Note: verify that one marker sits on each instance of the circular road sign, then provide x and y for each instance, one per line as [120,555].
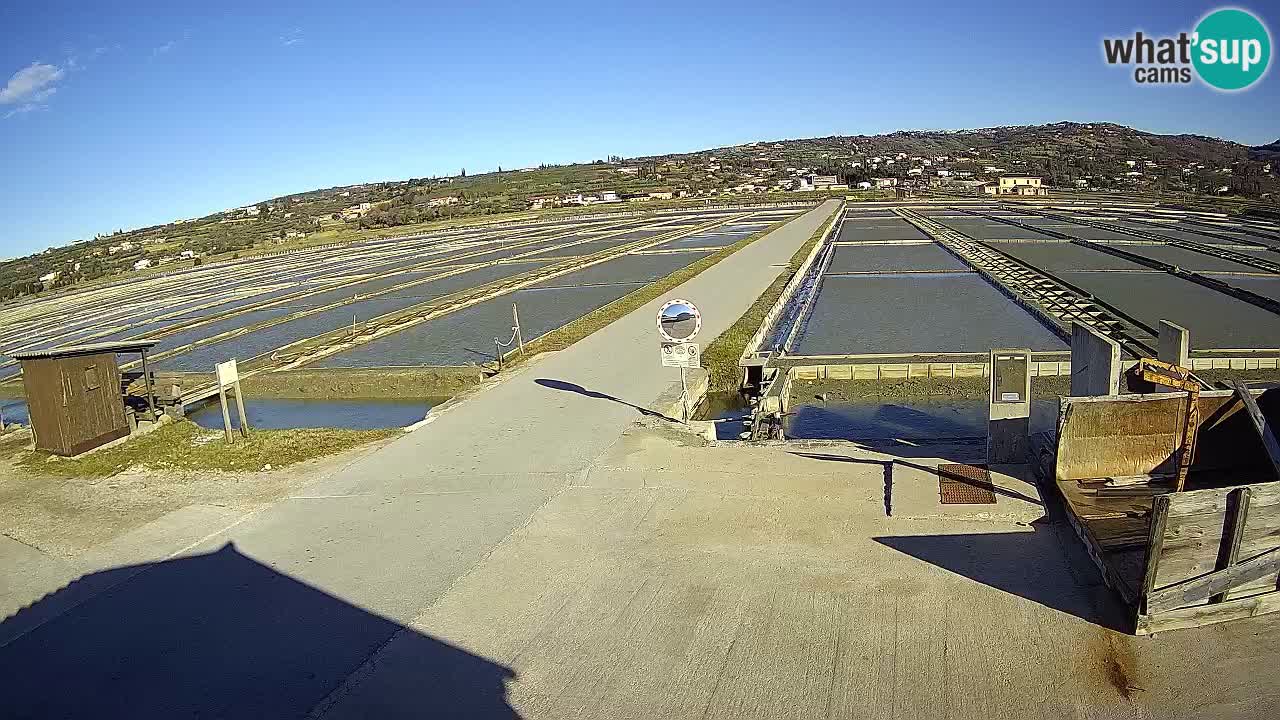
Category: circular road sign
[679,321]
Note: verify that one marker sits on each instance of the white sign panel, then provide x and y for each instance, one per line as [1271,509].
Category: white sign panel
[680,355]
[228,373]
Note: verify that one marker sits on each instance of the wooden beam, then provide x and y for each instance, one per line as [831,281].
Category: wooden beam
[1200,588]
[1155,544]
[151,395]
[1259,424]
[1232,533]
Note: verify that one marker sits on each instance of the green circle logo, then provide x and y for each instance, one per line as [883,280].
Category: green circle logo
[1232,49]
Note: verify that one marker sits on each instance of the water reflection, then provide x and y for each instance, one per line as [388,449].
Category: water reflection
[922,419]
[352,414]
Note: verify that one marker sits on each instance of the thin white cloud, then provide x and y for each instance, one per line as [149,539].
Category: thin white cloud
[293,37]
[164,48]
[22,109]
[31,84]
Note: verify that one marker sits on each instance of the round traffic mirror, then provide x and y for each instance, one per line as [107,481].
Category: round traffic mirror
[679,321]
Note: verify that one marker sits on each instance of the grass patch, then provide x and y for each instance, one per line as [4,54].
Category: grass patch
[721,357]
[186,446]
[568,334]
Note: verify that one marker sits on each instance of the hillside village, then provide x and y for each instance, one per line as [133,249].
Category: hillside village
[1064,156]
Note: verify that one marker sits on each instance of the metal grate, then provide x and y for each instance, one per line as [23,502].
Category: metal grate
[960,484]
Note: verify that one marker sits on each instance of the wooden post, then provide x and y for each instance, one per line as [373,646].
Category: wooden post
[244,421]
[151,397]
[1155,544]
[226,416]
[1232,534]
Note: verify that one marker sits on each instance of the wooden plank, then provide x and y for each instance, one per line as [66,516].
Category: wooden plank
[1155,546]
[1194,532]
[1200,588]
[1232,533]
[1120,533]
[1125,435]
[1200,615]
[1260,424]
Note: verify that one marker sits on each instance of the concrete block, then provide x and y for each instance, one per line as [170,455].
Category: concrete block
[1095,363]
[893,372]
[1174,344]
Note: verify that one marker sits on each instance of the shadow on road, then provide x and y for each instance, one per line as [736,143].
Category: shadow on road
[571,387]
[222,635]
[1047,566]
[1029,565]
[888,475]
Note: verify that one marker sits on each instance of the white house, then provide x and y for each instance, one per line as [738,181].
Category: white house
[142,264]
[864,185]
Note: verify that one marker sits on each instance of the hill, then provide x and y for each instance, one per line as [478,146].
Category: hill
[1066,154]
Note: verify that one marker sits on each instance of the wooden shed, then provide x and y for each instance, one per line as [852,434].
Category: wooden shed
[74,395]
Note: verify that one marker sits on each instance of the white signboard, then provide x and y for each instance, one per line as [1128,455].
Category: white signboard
[228,373]
[680,355]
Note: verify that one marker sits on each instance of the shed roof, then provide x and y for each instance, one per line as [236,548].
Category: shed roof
[130,346]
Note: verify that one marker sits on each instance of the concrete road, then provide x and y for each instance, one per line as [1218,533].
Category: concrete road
[675,581]
[272,617]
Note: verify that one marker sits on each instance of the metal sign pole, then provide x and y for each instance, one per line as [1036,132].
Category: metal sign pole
[244,421]
[226,416]
[515,316]
[684,398]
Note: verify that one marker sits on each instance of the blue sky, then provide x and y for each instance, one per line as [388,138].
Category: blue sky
[129,114]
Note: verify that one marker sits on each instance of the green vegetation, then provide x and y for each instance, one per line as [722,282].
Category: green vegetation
[721,356]
[186,446]
[571,333]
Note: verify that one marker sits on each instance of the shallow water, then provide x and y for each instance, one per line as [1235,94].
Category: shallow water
[729,411]
[351,414]
[14,411]
[924,419]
